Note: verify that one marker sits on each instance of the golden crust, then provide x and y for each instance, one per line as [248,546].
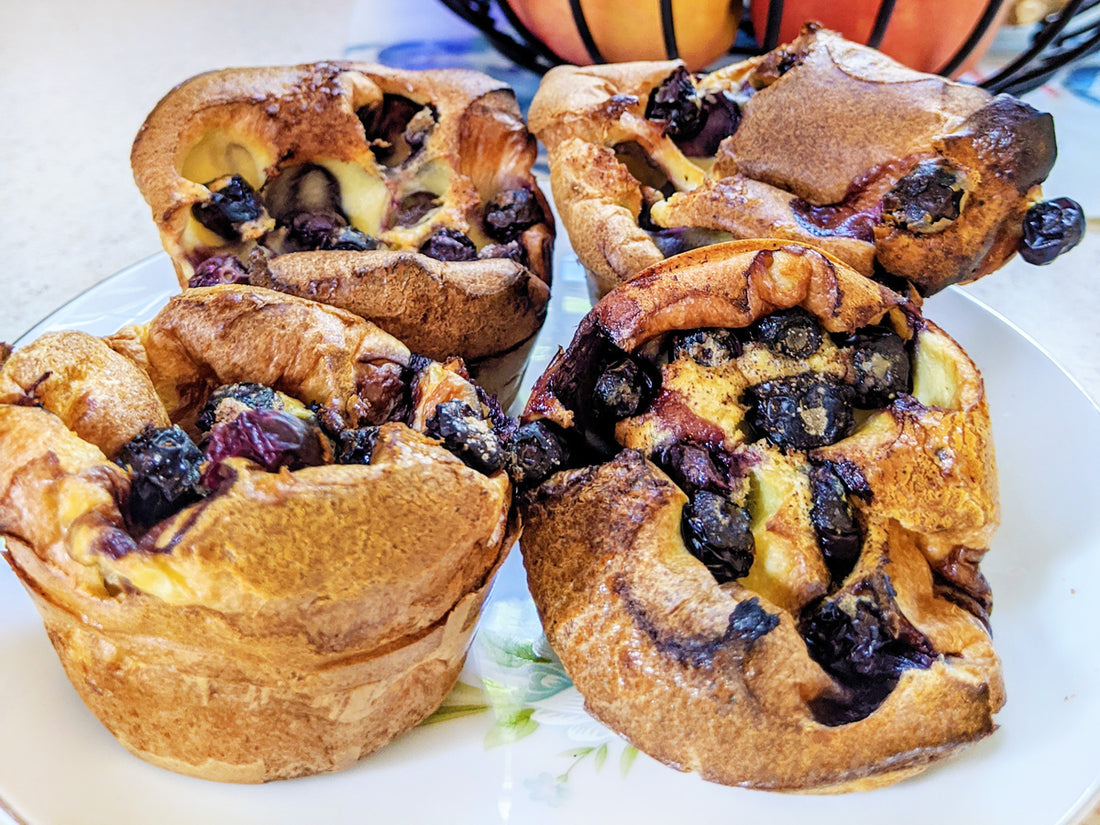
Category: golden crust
[290,622]
[264,123]
[818,146]
[666,655]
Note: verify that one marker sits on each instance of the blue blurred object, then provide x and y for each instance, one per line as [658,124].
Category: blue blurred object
[473,52]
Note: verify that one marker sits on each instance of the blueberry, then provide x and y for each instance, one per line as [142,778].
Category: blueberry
[880,366]
[271,438]
[536,451]
[718,532]
[219,269]
[677,103]
[838,533]
[356,446]
[927,198]
[510,212]
[801,411]
[749,621]
[232,203]
[466,434]
[858,635]
[512,250]
[245,394]
[449,245]
[350,239]
[622,390]
[707,347]
[793,333]
[693,467]
[165,468]
[1051,228]
[720,117]
[413,207]
[311,230]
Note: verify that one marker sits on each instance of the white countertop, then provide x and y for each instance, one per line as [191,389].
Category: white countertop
[78,78]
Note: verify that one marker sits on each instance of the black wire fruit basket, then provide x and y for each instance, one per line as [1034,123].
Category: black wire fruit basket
[1052,43]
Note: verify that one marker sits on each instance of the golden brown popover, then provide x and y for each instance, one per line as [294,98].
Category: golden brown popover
[405,196]
[821,141]
[258,530]
[764,487]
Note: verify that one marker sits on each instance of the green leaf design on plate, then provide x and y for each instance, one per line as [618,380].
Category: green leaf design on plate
[626,760]
[511,728]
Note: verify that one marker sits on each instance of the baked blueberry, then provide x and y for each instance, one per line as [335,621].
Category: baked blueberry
[926,199]
[271,438]
[355,446]
[232,203]
[468,435]
[449,245]
[718,532]
[677,103]
[720,116]
[244,394]
[793,333]
[838,533]
[535,451]
[860,637]
[165,468]
[219,269]
[801,411]
[708,347]
[414,206]
[622,390]
[693,467]
[880,366]
[510,212]
[1051,228]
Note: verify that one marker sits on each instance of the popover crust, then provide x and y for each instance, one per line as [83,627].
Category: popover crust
[726,676]
[338,141]
[827,143]
[290,622]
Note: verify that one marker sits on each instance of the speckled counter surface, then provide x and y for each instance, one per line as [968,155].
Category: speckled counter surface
[78,78]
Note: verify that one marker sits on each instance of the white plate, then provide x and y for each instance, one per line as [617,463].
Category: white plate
[537,758]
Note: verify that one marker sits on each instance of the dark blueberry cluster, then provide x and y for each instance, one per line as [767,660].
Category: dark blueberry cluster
[678,104]
[622,390]
[307,231]
[254,421]
[448,244]
[536,450]
[219,269]
[707,347]
[271,438]
[233,202]
[881,366]
[695,466]
[860,637]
